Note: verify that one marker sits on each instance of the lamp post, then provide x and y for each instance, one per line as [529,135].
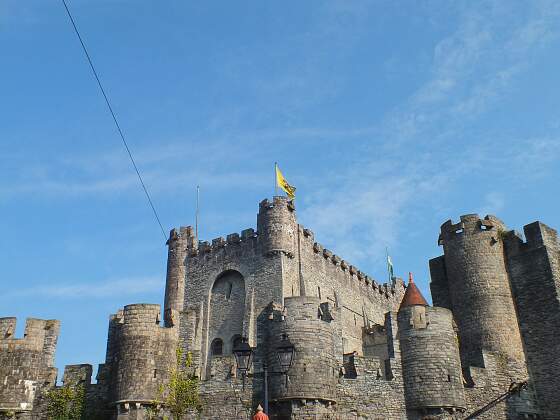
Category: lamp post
[243,355]
[284,352]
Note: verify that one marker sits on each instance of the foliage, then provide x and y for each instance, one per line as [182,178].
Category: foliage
[66,403]
[180,394]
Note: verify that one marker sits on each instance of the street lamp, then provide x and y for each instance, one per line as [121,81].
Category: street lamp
[243,355]
[284,352]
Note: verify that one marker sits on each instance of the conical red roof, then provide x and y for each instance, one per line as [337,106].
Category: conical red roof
[412,295]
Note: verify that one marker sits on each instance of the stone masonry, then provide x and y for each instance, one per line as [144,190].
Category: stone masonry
[362,350]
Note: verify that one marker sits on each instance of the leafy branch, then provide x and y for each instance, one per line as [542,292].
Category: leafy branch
[66,403]
[179,394]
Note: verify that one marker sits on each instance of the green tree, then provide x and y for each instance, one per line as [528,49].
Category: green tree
[180,394]
[66,403]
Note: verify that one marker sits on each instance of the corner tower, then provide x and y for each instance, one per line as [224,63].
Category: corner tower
[471,279]
[179,243]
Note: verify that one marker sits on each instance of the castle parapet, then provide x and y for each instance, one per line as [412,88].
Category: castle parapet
[369,284]
[26,364]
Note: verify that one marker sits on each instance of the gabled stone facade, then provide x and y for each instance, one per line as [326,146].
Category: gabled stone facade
[361,350]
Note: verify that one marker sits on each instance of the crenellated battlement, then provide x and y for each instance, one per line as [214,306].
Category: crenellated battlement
[277,201]
[39,335]
[26,364]
[368,283]
[234,242]
[143,318]
[469,224]
[537,235]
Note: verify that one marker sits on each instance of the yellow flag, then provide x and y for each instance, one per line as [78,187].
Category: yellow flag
[282,183]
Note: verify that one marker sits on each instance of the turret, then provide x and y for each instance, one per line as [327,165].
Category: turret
[474,273]
[277,227]
[142,356]
[180,242]
[431,364]
[314,373]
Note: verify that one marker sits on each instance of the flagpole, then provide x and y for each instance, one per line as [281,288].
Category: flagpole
[275,179]
[387,263]
[197,210]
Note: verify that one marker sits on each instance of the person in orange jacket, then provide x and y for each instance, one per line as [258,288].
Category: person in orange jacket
[260,415]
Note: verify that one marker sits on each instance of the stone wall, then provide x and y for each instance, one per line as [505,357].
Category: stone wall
[484,384]
[376,391]
[227,297]
[26,364]
[363,301]
[534,268]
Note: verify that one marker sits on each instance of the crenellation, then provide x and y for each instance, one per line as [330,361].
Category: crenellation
[26,364]
[233,238]
[7,327]
[204,247]
[218,243]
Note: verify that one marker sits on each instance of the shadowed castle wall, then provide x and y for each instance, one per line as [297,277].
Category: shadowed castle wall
[534,268]
[484,384]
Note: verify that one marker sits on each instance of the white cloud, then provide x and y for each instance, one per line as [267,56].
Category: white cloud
[117,287]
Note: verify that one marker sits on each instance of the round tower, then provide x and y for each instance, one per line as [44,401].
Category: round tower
[144,355]
[479,288]
[179,243]
[314,374]
[430,356]
[277,226]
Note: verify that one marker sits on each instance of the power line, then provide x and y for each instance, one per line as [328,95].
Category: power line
[115,119]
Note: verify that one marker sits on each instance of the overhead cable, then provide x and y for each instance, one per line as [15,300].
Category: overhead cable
[114,119]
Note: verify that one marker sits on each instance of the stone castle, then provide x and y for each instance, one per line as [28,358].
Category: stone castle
[362,350]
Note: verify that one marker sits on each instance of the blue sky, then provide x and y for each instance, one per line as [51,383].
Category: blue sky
[389,117]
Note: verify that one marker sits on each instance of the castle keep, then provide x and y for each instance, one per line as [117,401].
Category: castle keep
[362,350]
